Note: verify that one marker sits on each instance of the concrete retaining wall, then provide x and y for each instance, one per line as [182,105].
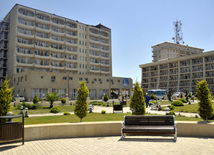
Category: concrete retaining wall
[96,129]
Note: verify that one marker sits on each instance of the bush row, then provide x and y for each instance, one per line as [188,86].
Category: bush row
[26,105]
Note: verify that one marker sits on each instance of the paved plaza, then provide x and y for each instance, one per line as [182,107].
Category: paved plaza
[112,145]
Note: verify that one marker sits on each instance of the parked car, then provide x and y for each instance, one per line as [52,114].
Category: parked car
[22,98]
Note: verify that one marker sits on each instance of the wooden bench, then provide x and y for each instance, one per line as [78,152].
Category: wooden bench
[149,125]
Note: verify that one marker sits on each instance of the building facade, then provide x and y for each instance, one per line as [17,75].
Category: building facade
[167,50]
[179,74]
[62,51]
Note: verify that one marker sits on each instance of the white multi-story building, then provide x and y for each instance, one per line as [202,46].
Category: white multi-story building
[43,52]
[179,74]
[167,50]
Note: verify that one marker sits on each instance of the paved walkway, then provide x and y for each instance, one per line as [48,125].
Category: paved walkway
[98,109]
[112,145]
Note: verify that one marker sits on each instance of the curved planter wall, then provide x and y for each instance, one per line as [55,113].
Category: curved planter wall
[96,129]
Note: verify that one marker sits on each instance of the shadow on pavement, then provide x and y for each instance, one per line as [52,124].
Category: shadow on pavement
[147,139]
[5,148]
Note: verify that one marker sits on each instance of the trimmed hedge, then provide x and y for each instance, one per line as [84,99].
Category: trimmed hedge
[103,112]
[183,100]
[55,110]
[177,103]
[67,113]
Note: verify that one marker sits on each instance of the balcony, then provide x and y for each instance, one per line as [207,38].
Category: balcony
[94,32]
[105,72]
[43,21]
[43,30]
[57,59]
[94,63]
[41,66]
[25,45]
[95,70]
[71,69]
[25,35]
[104,34]
[26,17]
[42,57]
[71,60]
[74,44]
[104,64]
[70,27]
[42,39]
[57,41]
[58,24]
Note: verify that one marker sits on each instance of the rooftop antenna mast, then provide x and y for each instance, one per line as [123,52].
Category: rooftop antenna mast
[178,33]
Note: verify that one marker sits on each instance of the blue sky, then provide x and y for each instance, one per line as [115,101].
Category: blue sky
[136,25]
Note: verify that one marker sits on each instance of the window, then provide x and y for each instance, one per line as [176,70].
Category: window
[80,79]
[53,78]
[79,34]
[64,78]
[82,35]
[70,78]
[80,42]
[80,27]
[80,65]
[80,50]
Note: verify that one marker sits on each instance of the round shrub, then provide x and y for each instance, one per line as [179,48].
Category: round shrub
[34,106]
[105,98]
[55,110]
[104,104]
[183,100]
[67,113]
[171,107]
[35,99]
[177,103]
[152,96]
[172,113]
[103,112]
[63,100]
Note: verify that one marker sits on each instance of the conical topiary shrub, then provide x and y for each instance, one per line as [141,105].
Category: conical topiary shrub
[205,104]
[137,101]
[81,108]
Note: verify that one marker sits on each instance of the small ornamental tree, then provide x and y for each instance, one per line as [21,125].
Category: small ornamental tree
[105,98]
[152,96]
[5,99]
[63,101]
[182,95]
[169,95]
[187,95]
[137,101]
[123,97]
[51,97]
[205,104]
[35,99]
[81,108]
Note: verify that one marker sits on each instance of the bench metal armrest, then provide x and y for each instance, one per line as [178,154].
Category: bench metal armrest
[122,123]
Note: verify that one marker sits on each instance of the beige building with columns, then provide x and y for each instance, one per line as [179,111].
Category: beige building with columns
[45,52]
[179,74]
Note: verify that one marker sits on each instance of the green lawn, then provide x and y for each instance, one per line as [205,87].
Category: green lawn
[91,117]
[45,109]
[192,108]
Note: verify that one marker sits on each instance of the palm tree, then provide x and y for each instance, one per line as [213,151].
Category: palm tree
[51,97]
